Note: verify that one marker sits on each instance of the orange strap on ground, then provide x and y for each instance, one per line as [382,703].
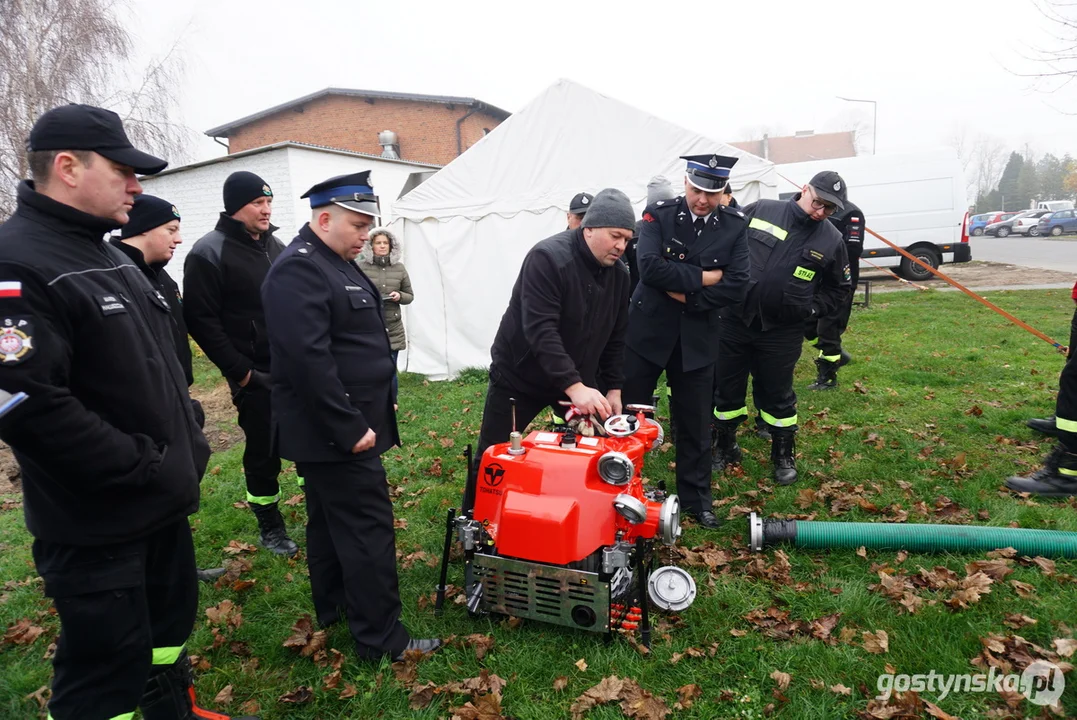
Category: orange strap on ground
[983,301]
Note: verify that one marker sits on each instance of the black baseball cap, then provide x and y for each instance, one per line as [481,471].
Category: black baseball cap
[830,186]
[85,127]
[580,202]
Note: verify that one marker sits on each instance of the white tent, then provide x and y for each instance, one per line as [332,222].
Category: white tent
[466,230]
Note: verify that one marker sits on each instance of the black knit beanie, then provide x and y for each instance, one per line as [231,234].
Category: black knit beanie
[241,188]
[149,212]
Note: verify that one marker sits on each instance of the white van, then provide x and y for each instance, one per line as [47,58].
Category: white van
[916,201]
[1053,205]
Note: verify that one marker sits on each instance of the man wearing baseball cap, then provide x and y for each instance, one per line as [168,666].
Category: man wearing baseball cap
[799,271]
[222,293]
[110,451]
[577,208]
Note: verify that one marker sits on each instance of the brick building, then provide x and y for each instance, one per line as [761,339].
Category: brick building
[430,129]
[802,147]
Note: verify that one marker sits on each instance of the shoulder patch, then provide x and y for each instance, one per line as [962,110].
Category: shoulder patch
[647,217]
[16,340]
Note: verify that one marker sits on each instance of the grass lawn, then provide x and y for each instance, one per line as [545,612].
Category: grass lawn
[927,423]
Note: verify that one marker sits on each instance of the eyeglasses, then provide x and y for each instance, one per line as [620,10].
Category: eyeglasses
[817,204]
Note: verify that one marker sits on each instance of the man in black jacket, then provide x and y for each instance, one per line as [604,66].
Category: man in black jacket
[563,333]
[333,413]
[826,332]
[693,261]
[222,292]
[799,272]
[108,444]
[149,238]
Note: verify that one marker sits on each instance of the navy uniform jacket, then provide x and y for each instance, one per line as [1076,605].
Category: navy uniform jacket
[671,258]
[851,224]
[329,355]
[799,266]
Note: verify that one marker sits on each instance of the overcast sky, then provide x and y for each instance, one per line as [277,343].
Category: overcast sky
[720,68]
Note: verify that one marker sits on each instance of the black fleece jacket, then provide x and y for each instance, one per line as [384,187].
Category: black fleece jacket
[222,296]
[107,442]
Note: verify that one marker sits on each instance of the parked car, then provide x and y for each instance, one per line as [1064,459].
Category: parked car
[1028,223]
[1001,226]
[977,223]
[1057,223]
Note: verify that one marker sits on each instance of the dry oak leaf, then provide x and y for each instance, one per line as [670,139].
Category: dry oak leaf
[876,643]
[23,632]
[224,697]
[687,695]
[304,639]
[606,691]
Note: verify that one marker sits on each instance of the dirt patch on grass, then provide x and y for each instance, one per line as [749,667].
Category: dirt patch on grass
[976,274]
[221,432]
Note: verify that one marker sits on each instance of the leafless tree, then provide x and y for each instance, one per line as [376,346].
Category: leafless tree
[59,51]
[983,158]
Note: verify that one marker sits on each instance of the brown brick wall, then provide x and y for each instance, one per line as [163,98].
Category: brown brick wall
[427,131]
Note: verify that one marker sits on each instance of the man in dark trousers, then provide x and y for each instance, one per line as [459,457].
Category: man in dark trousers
[222,285]
[799,272]
[826,332]
[562,335]
[333,413]
[110,451]
[149,239]
[693,261]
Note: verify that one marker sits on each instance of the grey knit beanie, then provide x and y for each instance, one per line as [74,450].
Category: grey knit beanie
[610,208]
[659,188]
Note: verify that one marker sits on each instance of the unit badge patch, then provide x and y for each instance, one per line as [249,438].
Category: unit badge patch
[848,275]
[16,340]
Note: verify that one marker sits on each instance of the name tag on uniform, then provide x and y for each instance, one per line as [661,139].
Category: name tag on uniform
[111,304]
[804,273]
[353,288]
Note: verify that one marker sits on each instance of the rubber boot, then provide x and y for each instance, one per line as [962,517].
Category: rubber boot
[169,695]
[724,448]
[1057,477]
[827,377]
[273,535]
[783,452]
[1044,425]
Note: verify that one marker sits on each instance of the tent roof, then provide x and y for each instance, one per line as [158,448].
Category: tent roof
[567,140]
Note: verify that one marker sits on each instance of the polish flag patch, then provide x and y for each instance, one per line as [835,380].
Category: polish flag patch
[10,289]
[647,217]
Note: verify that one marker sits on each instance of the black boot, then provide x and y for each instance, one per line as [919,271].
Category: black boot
[1057,477]
[209,575]
[762,430]
[1044,425]
[274,537]
[783,452]
[827,377]
[724,448]
[169,695]
[846,358]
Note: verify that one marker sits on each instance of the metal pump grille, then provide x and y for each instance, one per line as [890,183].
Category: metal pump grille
[542,592]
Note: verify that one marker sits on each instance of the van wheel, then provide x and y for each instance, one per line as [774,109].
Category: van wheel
[977,232]
[1003,232]
[912,271]
[1034,231]
[1056,231]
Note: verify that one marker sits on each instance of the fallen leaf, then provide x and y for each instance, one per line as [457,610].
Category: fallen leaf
[224,697]
[235,547]
[687,695]
[482,644]
[251,707]
[1065,646]
[304,638]
[782,678]
[332,680]
[1023,589]
[421,695]
[841,690]
[582,665]
[606,691]
[23,632]
[876,643]
[936,712]
[301,694]
[639,703]
[560,683]
[349,691]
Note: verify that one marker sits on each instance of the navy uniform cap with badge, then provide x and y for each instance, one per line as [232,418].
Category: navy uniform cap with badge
[332,386]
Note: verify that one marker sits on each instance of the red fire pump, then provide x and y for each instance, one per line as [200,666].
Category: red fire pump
[558,527]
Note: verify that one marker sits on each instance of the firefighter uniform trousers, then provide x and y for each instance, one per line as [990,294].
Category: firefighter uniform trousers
[351,552]
[825,333]
[261,463]
[1066,408]
[770,357]
[126,611]
[689,407]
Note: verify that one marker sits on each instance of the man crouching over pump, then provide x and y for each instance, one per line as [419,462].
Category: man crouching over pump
[563,332]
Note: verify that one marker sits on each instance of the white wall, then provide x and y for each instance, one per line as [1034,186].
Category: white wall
[197,192]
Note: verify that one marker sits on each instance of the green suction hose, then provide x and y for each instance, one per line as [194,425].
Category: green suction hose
[911,537]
